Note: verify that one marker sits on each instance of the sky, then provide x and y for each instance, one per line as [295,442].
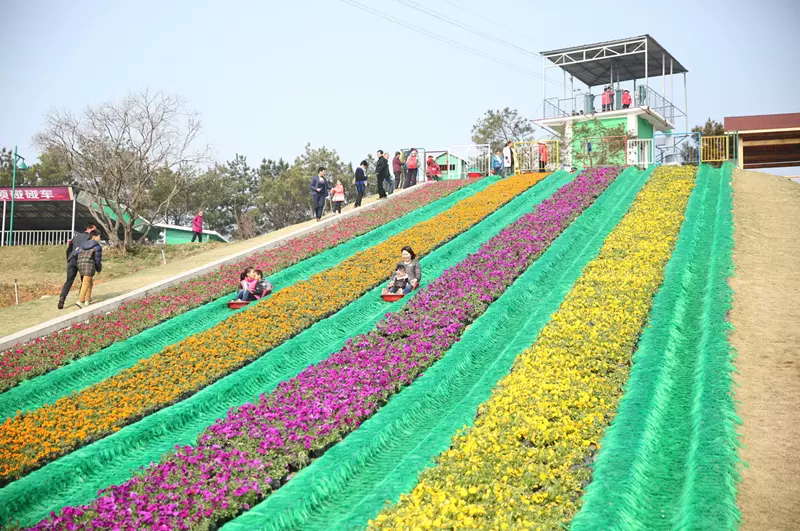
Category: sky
[269,77]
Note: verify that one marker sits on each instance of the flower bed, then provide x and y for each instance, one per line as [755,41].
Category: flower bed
[239,459]
[525,462]
[49,352]
[30,439]
[669,458]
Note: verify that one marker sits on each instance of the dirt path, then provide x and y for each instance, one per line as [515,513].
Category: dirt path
[766,314]
[16,318]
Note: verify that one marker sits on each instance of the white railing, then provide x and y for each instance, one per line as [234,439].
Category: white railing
[36,237]
[640,152]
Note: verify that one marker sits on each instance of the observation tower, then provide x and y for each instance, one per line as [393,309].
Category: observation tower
[633,123]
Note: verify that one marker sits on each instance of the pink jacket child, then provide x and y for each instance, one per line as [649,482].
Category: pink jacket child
[337,196]
[247,285]
[338,191]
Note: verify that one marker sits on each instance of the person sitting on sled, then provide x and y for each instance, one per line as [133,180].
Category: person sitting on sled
[263,286]
[400,281]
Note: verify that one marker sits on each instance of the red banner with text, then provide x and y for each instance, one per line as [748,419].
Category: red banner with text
[38,193]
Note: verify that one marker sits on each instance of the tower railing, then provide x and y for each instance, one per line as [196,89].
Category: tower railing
[586,103]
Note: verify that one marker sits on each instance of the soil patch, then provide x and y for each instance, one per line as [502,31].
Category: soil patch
[766,317]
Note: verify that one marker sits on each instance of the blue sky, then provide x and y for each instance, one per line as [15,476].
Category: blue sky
[267,77]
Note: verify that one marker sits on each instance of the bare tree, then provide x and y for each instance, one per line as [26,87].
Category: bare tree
[116,150]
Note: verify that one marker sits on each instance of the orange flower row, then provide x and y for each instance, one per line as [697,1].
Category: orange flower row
[29,440]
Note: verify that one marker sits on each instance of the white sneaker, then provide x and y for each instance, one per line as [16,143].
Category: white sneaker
[80,304]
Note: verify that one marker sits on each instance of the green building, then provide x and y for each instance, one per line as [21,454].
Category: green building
[176,235]
[156,232]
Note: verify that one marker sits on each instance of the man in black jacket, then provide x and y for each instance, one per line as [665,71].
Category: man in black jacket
[72,263]
[382,173]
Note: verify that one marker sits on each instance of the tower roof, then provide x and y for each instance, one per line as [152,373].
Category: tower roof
[591,64]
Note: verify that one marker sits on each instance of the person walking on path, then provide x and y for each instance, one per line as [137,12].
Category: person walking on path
[381,173]
[497,163]
[508,159]
[397,169]
[360,180]
[197,227]
[389,180]
[337,197]
[543,156]
[72,264]
[319,190]
[412,167]
[89,258]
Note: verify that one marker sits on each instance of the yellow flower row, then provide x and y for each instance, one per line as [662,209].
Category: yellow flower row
[524,463]
[30,439]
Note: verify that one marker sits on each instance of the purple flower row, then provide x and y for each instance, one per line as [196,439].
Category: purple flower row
[241,458]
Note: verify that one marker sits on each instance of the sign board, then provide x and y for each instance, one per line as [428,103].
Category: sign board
[37,193]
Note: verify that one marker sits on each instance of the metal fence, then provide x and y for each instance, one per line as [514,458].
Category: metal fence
[584,104]
[36,237]
[715,148]
[640,152]
[537,155]
[527,156]
[676,148]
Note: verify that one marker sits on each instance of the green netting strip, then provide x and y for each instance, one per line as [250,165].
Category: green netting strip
[351,482]
[89,370]
[669,458]
[75,478]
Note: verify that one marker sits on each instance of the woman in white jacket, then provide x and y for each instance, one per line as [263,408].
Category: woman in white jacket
[508,159]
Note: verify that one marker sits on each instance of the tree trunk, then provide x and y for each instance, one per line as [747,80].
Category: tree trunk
[128,242]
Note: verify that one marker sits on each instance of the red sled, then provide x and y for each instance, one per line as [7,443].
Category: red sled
[394,297]
[236,305]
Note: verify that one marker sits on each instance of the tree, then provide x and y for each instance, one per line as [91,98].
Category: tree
[51,170]
[240,188]
[598,145]
[496,128]
[116,151]
[286,192]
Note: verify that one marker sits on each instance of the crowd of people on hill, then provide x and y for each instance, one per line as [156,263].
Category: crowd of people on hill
[402,173]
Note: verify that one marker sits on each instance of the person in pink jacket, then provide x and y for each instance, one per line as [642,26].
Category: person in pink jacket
[337,196]
[197,227]
[248,283]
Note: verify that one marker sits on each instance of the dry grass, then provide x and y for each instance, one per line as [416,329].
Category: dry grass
[766,314]
[40,271]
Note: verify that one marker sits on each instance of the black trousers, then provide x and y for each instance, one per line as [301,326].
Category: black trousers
[72,272]
[198,235]
[398,179]
[411,177]
[381,190]
[319,205]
